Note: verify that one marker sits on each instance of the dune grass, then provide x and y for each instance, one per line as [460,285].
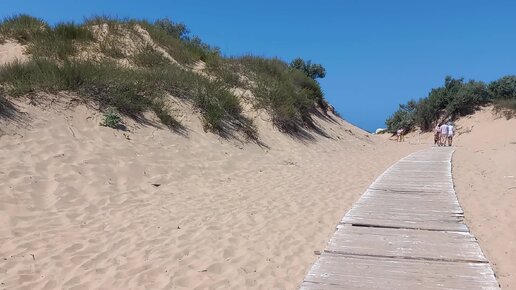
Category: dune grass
[130,91]
[288,94]
[23,28]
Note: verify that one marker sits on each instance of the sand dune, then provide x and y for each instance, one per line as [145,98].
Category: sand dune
[88,207]
[484,169]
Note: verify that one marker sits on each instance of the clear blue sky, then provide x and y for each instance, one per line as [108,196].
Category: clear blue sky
[377,53]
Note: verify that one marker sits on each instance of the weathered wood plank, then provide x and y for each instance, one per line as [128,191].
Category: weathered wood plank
[351,272]
[406,243]
[405,232]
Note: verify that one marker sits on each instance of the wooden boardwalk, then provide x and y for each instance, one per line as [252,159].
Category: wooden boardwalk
[405,232]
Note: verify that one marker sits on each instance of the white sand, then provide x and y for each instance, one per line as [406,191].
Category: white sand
[11,51]
[79,209]
[484,170]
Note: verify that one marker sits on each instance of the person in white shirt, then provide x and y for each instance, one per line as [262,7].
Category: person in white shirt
[444,134]
[451,131]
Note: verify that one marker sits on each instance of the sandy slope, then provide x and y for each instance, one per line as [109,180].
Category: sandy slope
[86,207]
[484,171]
[10,51]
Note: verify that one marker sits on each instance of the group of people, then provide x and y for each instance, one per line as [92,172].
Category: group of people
[443,134]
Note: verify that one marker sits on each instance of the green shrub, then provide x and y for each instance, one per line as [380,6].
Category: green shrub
[311,70]
[403,118]
[456,98]
[504,88]
[111,119]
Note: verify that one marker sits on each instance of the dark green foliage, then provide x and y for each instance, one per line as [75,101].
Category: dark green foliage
[504,88]
[456,98]
[403,118]
[22,27]
[176,30]
[467,98]
[310,69]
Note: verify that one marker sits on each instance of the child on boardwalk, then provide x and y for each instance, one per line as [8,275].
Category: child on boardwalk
[436,135]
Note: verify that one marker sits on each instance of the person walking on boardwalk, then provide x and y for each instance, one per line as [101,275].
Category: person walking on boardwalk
[451,131]
[400,135]
[437,138]
[444,134]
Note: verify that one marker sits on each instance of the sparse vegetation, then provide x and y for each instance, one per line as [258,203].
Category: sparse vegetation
[149,57]
[288,93]
[111,119]
[455,98]
[23,28]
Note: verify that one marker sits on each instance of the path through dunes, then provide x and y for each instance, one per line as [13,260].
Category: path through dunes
[405,232]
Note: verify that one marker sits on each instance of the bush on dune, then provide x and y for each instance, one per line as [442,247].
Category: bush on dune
[454,99]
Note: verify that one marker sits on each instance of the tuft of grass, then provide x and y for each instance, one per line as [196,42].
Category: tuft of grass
[72,31]
[23,28]
[59,42]
[149,57]
[111,119]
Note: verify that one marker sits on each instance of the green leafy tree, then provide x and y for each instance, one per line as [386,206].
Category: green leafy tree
[310,69]
[403,118]
[504,88]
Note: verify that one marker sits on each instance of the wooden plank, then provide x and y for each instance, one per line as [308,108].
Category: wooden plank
[406,243]
[352,272]
[405,232]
